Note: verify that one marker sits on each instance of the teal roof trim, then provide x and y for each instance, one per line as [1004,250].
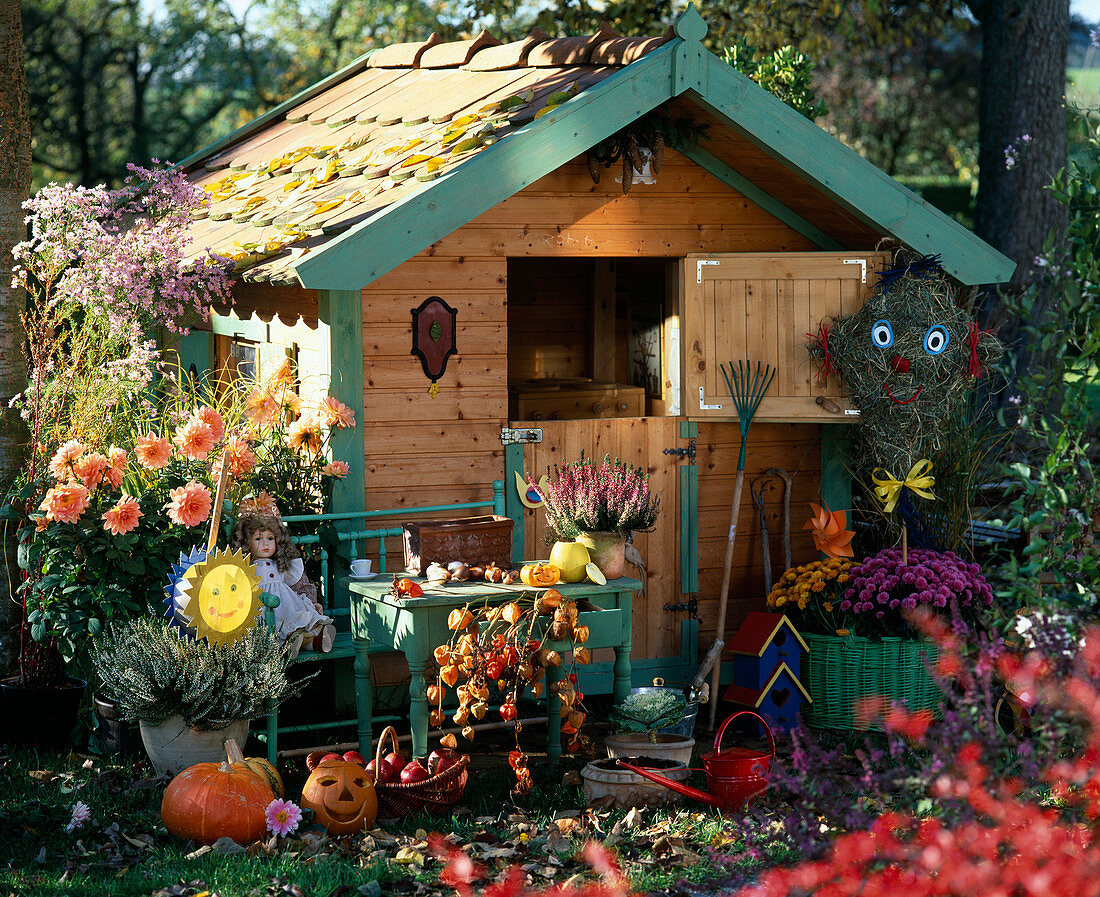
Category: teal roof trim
[499,171]
[844,175]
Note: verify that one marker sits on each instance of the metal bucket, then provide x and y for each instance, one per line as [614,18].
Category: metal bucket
[686,726]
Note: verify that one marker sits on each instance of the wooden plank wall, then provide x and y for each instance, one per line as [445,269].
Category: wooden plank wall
[549,318]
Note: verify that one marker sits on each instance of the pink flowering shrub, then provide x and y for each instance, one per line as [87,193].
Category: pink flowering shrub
[613,497]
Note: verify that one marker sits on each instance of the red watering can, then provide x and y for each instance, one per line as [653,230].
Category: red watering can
[733,776]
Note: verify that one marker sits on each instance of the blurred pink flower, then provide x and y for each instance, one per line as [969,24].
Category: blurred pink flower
[189,505]
[283,816]
[336,469]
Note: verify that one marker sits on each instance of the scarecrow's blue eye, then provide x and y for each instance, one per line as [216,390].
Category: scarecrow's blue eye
[936,339]
[882,334]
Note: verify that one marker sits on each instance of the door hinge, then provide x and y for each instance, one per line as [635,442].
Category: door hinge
[681,452]
[509,436]
[862,268]
[691,606]
[699,267]
[703,406]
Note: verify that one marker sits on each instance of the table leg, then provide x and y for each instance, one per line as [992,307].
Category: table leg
[621,687]
[418,695]
[364,693]
[553,715]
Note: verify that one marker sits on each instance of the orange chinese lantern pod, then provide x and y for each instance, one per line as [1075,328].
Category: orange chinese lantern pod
[831,536]
[435,694]
[559,630]
[580,634]
[341,796]
[208,801]
[576,719]
[517,759]
[459,618]
[539,575]
[582,655]
[449,674]
[567,613]
[435,718]
[479,709]
[461,716]
[547,602]
[536,688]
[549,658]
[525,671]
[443,655]
[468,733]
[511,612]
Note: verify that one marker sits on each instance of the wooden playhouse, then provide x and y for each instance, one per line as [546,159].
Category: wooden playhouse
[585,317]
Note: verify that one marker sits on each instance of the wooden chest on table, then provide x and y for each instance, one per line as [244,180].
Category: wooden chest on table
[552,399]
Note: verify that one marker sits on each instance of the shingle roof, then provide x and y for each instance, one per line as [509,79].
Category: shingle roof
[405,115]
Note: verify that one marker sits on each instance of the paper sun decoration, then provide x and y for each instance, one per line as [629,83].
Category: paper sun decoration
[213,594]
[831,536]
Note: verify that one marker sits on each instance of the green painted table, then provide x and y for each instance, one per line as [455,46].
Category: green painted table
[415,626]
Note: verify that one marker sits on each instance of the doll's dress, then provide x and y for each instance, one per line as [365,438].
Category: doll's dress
[295,612]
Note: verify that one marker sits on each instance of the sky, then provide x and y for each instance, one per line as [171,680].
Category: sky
[1089,10]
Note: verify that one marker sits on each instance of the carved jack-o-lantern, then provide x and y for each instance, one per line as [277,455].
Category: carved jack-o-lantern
[341,796]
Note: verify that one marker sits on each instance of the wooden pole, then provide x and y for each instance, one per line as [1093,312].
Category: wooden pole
[904,545]
[216,511]
[723,595]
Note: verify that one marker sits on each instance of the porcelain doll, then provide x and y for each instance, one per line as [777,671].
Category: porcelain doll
[300,620]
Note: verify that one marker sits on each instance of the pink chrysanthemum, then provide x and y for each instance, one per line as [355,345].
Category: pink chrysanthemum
[123,517]
[261,408]
[210,417]
[283,376]
[65,502]
[334,413]
[189,505]
[152,452]
[338,469]
[194,439]
[304,435]
[61,464]
[262,504]
[81,814]
[240,456]
[90,469]
[118,459]
[283,816]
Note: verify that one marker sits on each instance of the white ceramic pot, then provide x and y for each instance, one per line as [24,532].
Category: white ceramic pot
[602,778]
[173,746]
[637,744]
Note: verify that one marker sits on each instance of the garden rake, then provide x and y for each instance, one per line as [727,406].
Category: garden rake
[747,387]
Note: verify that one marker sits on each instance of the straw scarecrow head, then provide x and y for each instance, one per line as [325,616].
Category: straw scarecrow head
[907,356]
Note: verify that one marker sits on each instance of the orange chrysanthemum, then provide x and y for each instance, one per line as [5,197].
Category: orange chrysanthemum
[261,408]
[90,469]
[210,417]
[189,505]
[152,452]
[336,469]
[334,413]
[123,517]
[262,504]
[831,535]
[285,375]
[287,399]
[61,464]
[240,456]
[304,435]
[194,439]
[117,471]
[65,502]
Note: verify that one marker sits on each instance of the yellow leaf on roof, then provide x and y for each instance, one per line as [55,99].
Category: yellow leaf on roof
[544,110]
[290,185]
[464,120]
[322,207]
[514,102]
[435,163]
[464,146]
[251,203]
[402,147]
[414,159]
[320,152]
[451,136]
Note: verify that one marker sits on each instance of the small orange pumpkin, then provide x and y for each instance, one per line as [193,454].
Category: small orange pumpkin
[540,575]
[208,801]
[259,765]
[341,796]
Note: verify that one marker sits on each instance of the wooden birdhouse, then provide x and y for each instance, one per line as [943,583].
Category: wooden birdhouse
[767,665]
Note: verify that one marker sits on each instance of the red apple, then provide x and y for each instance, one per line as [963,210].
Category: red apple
[441,760]
[413,773]
[331,757]
[355,757]
[313,759]
[396,761]
[385,772]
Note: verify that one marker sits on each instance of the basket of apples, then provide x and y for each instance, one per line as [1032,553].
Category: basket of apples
[405,789]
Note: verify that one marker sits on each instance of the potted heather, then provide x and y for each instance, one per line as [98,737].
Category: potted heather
[599,507]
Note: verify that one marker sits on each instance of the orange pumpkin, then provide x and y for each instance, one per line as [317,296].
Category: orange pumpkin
[539,575]
[208,801]
[259,765]
[341,796]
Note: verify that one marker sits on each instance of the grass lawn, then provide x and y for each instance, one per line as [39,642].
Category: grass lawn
[125,850]
[1083,86]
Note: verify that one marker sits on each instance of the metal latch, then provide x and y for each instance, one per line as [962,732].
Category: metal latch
[862,268]
[515,437]
[703,406]
[699,267]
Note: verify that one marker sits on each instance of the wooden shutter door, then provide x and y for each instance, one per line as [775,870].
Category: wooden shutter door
[760,307]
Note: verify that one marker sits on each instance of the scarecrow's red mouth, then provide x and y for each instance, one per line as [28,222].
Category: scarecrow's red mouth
[900,401]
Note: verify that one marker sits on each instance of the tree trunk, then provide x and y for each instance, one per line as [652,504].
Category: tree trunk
[15,182]
[1022,127]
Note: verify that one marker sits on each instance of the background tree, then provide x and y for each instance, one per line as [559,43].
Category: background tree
[15,182]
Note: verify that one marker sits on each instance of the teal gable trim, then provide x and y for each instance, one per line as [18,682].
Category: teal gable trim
[491,176]
[845,176]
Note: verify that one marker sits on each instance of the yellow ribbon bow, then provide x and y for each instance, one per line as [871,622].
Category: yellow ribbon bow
[918,479]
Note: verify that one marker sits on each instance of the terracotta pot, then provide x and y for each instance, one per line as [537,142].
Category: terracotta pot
[637,744]
[602,777]
[173,746]
[606,551]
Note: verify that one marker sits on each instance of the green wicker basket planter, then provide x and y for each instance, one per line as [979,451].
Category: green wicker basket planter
[841,670]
